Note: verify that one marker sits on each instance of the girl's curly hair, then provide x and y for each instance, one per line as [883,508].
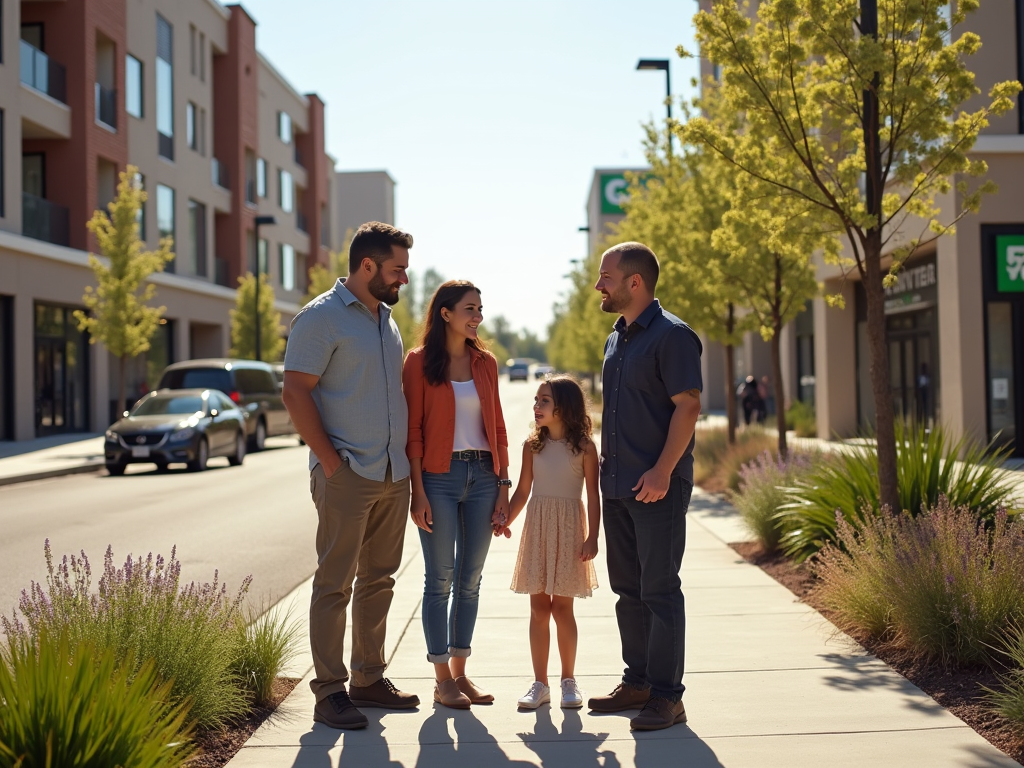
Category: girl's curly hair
[572,408]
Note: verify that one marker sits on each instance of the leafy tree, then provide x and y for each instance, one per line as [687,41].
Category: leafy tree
[118,314]
[579,329]
[243,322]
[854,100]
[322,278]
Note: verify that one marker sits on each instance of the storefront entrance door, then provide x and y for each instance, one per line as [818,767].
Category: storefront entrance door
[61,375]
[910,374]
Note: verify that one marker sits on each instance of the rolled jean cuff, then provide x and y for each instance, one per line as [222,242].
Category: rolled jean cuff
[460,653]
[438,658]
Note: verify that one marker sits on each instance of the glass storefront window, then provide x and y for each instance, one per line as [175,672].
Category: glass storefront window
[61,371]
[1002,408]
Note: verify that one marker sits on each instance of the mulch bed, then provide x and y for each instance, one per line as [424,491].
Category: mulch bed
[217,747]
[959,691]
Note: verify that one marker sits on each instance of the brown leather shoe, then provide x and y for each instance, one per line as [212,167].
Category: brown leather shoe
[447,694]
[625,696]
[474,694]
[338,711]
[657,714]
[383,694]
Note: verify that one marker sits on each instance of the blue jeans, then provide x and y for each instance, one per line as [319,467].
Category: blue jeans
[461,504]
[645,545]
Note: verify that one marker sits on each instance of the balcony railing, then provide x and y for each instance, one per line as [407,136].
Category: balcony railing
[44,74]
[106,106]
[299,158]
[301,222]
[43,220]
[220,271]
[220,174]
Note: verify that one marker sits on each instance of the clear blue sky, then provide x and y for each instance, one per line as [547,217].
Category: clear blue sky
[490,114]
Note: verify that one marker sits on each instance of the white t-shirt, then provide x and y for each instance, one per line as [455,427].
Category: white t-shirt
[469,418]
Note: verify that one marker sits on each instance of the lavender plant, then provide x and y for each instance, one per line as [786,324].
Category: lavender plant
[143,614]
[940,586]
[763,488]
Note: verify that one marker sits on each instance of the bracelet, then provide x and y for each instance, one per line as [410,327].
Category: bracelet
[504,483]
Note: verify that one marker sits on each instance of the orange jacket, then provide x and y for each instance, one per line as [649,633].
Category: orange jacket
[432,412]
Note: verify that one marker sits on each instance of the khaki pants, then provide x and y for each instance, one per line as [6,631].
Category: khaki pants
[359,538]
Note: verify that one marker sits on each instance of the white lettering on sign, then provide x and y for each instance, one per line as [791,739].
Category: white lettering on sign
[615,191]
[913,279]
[1014,261]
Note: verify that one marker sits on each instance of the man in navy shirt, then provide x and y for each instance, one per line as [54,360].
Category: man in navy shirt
[652,385]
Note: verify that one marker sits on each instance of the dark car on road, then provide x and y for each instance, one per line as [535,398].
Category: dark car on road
[177,425]
[519,370]
[250,384]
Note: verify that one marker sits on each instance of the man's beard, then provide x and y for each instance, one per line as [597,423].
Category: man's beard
[617,301]
[381,291]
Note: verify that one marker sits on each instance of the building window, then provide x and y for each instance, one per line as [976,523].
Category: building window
[261,177]
[284,127]
[133,86]
[165,216]
[202,57]
[286,194]
[140,215]
[197,237]
[165,87]
[202,131]
[261,253]
[193,49]
[287,267]
[2,184]
[190,126]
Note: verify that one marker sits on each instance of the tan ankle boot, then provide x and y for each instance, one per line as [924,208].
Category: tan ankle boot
[473,693]
[447,694]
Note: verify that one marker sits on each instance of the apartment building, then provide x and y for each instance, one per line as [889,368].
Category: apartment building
[955,318]
[362,196]
[178,89]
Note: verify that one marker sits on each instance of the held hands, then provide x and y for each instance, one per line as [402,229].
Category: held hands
[653,485]
[589,551]
[501,519]
[420,512]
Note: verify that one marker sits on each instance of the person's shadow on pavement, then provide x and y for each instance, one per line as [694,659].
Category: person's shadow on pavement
[687,749]
[361,748]
[473,747]
[552,749]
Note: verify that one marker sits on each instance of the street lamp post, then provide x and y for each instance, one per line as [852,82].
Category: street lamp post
[662,64]
[260,221]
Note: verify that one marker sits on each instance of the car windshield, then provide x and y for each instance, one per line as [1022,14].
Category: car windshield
[160,405]
[198,378]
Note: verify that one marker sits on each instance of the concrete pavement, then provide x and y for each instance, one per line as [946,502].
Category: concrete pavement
[46,457]
[769,682]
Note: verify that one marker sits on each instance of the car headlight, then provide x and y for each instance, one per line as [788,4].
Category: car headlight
[182,434]
[111,436]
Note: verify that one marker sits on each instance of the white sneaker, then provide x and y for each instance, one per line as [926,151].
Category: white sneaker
[537,695]
[572,697]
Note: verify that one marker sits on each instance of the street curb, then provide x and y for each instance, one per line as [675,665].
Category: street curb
[80,469]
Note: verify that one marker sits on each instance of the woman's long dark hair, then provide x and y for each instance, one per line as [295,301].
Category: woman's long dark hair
[435,348]
[571,406]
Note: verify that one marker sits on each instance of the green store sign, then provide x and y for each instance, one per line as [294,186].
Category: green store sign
[1010,263]
[614,189]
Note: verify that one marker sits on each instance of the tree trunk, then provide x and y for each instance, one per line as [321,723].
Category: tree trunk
[780,412]
[878,348]
[730,378]
[121,377]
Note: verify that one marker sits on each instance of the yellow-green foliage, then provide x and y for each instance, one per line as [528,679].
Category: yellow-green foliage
[243,322]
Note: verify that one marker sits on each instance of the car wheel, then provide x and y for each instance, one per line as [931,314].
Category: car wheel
[202,456]
[116,469]
[258,441]
[239,455]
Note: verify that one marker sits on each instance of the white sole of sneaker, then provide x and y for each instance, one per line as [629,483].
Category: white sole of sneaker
[572,705]
[534,705]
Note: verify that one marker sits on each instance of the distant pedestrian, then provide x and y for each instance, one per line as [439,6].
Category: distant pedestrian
[652,385]
[353,418]
[458,450]
[750,400]
[559,542]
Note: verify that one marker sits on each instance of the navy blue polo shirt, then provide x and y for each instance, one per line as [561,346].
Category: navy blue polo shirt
[645,365]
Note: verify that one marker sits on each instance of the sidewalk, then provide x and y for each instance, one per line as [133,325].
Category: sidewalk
[769,683]
[50,457]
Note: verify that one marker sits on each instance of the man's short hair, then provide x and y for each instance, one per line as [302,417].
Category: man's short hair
[373,240]
[638,259]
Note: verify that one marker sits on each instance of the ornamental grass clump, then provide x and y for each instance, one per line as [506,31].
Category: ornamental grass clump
[1008,699]
[764,485]
[717,464]
[144,615]
[929,464]
[265,641]
[79,706]
[940,586]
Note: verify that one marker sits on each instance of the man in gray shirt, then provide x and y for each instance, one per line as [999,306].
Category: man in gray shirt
[343,390]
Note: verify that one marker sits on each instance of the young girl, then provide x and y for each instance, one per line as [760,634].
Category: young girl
[558,541]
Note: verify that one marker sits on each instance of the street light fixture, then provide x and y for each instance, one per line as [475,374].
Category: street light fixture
[259,222]
[662,64]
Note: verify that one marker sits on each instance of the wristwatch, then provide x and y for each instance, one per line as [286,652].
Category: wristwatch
[504,483]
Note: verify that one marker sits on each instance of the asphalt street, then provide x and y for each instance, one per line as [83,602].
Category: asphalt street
[255,519]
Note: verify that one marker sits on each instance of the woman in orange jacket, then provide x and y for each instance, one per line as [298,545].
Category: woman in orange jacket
[458,450]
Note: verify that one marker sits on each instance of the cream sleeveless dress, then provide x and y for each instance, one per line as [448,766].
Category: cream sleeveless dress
[555,528]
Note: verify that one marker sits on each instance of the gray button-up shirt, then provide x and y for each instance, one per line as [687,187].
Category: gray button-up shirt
[359,395]
[645,366]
